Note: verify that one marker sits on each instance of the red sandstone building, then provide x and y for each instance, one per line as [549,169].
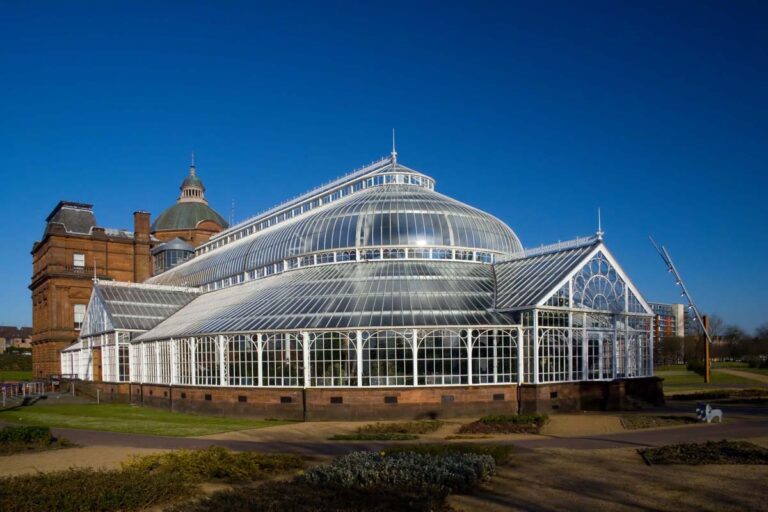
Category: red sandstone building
[74,250]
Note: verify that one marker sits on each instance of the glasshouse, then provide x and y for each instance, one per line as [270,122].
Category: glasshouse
[373,295]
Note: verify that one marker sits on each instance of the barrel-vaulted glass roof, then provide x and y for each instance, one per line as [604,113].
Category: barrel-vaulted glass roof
[348,295]
[390,215]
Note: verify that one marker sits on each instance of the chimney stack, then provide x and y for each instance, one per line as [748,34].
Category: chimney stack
[142,260]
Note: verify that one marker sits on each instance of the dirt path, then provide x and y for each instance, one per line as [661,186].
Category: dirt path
[746,375]
[614,479]
[108,457]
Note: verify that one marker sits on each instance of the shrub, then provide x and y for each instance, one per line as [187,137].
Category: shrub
[696,367]
[457,472]
[19,439]
[500,452]
[711,452]
[215,463]
[407,427]
[300,497]
[757,362]
[78,490]
[25,435]
[385,436]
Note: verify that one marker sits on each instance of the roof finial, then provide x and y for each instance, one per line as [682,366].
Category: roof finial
[599,225]
[192,165]
[394,151]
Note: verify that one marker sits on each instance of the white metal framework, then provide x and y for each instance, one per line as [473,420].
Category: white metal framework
[377,281]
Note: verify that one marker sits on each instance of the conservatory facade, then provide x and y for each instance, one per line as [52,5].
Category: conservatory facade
[372,291]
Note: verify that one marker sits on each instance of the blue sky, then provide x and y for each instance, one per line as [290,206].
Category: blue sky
[656,112]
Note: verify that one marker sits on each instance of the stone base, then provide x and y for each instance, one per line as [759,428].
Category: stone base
[350,404]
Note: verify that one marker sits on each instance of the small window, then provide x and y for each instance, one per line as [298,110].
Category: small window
[208,398]
[390,399]
[446,399]
[78,260]
[337,400]
[79,313]
[498,397]
[285,400]
[242,398]
[553,394]
[183,395]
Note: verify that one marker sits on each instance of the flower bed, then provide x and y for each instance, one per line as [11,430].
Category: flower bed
[216,463]
[711,452]
[379,482]
[452,472]
[388,436]
[404,431]
[499,452]
[638,421]
[506,424]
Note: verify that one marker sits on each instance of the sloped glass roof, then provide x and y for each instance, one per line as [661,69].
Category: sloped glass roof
[523,282]
[131,307]
[348,295]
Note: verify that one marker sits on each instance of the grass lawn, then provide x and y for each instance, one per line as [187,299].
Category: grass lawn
[683,380]
[15,375]
[129,418]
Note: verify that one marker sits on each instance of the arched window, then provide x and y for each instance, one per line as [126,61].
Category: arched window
[332,360]
[553,355]
[494,357]
[387,359]
[242,361]
[598,286]
[442,357]
[282,360]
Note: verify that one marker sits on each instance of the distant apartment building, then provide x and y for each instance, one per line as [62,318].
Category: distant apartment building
[670,319]
[19,337]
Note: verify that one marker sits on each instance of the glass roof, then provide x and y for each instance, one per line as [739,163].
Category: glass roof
[523,282]
[390,215]
[347,295]
[131,307]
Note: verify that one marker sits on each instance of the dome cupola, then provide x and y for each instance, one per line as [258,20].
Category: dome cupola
[192,188]
[191,208]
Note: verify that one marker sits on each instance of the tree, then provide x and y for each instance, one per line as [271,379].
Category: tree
[716,326]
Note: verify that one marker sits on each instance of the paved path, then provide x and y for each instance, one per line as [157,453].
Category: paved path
[737,428]
[746,375]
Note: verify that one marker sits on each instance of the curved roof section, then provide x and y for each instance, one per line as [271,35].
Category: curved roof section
[186,215]
[192,181]
[351,295]
[390,215]
[177,244]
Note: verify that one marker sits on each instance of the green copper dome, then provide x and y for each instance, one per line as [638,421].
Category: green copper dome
[186,216]
[190,209]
